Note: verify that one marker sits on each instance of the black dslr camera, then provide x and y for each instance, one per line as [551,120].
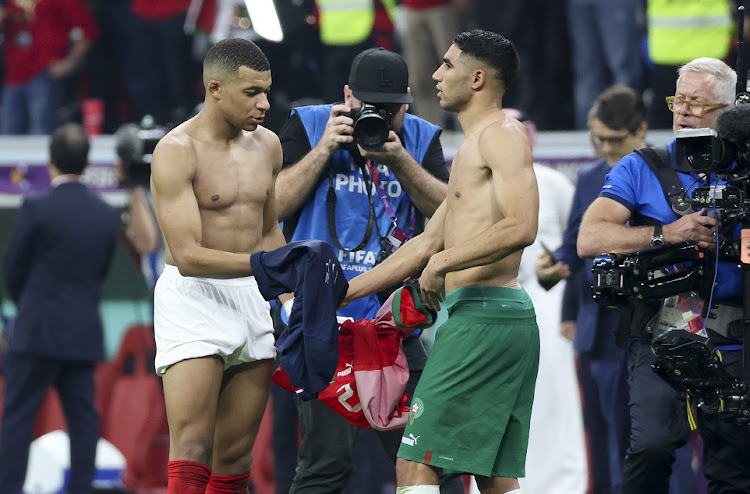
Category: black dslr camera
[135,146]
[372,123]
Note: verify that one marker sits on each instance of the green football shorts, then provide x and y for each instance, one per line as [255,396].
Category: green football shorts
[472,407]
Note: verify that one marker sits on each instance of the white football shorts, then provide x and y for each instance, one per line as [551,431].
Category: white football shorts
[198,317]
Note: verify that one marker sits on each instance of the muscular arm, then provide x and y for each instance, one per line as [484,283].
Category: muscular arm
[425,190]
[295,183]
[508,156]
[603,229]
[409,259]
[273,238]
[172,172]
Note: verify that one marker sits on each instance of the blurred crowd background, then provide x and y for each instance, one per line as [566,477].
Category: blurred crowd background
[107,62]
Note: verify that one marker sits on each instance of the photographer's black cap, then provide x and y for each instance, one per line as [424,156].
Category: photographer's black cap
[380,76]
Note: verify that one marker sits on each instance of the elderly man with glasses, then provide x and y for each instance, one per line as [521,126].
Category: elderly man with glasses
[631,214]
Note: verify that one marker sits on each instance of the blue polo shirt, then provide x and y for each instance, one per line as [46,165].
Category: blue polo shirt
[632,183]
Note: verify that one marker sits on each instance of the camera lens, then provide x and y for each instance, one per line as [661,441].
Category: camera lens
[699,154]
[371,131]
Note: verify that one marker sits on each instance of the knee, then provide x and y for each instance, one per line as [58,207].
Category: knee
[413,473]
[191,445]
[496,484]
[236,460]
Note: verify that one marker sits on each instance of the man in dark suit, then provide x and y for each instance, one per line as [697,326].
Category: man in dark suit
[618,124]
[59,254]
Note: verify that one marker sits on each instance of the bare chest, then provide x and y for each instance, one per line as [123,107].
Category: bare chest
[238,177]
[469,179]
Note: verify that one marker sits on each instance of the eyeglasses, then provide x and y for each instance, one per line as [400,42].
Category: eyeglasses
[695,107]
[599,141]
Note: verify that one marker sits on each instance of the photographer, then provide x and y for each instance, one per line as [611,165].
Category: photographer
[614,223]
[364,202]
[134,145]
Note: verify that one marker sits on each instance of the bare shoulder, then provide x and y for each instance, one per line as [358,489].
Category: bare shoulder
[505,142]
[267,138]
[174,155]
[178,143]
[270,143]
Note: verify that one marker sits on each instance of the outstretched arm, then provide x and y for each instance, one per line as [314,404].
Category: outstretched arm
[409,259]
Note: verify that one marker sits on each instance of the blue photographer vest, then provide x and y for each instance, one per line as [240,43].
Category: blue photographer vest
[352,203]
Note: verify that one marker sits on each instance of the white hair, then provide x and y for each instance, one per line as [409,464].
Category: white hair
[724,92]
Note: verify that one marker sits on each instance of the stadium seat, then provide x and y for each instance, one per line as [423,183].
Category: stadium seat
[135,419]
[50,416]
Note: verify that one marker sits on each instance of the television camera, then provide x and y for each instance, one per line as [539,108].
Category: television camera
[134,145]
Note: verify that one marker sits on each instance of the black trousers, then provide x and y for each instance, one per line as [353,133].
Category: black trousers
[659,426]
[27,380]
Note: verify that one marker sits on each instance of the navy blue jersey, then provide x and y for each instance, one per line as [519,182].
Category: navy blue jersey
[308,348]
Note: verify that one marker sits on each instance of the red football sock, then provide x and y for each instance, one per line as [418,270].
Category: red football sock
[187,477]
[228,484]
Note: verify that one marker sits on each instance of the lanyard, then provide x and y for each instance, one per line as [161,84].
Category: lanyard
[331,212]
[373,168]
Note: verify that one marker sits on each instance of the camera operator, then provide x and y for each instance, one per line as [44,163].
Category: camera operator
[364,202]
[632,197]
[134,145]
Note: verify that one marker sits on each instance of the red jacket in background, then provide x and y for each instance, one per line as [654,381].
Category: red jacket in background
[159,9]
[425,4]
[31,47]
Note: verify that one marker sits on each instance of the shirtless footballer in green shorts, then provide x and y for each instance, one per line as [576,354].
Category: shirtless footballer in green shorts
[471,409]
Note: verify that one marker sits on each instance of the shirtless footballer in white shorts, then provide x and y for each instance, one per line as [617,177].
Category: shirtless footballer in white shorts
[213,180]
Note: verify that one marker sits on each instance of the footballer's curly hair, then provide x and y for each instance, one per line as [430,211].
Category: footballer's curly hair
[227,56]
[491,49]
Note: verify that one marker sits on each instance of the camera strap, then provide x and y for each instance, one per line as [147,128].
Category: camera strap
[373,168]
[331,210]
[640,314]
[658,160]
